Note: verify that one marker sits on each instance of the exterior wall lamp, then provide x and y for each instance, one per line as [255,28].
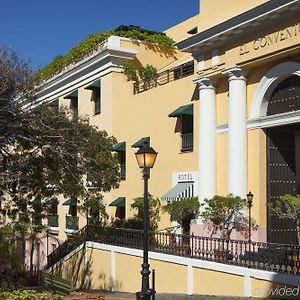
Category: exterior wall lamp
[250,203]
[146,157]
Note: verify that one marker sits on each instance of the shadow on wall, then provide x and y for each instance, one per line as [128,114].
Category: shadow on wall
[275,290]
[102,281]
[73,269]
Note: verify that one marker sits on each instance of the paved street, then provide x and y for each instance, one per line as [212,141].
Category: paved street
[125,296]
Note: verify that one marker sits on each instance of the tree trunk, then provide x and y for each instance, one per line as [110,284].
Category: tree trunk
[31,254]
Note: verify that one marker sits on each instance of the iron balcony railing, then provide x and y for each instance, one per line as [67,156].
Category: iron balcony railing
[187,143]
[278,258]
[72,223]
[123,172]
[53,220]
[164,77]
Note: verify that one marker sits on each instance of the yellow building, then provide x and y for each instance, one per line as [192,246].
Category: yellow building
[237,58]
[223,116]
[248,67]
[97,87]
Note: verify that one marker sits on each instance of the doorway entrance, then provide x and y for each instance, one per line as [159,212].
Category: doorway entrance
[283,159]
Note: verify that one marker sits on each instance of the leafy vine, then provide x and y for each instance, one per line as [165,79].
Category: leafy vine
[92,43]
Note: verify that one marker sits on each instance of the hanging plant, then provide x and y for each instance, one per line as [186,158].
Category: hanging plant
[146,73]
[92,43]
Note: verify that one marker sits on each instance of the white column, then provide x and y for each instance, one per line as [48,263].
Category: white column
[207,139]
[237,133]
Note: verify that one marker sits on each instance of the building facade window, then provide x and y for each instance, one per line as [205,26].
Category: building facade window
[187,134]
[185,123]
[120,148]
[95,87]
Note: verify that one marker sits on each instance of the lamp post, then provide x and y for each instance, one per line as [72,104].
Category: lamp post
[145,157]
[250,202]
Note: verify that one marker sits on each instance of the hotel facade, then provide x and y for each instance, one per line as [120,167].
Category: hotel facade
[223,113]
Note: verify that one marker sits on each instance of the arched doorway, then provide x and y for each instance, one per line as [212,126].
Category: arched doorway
[283,160]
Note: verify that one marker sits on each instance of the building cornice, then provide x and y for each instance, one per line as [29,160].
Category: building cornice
[247,22]
[109,58]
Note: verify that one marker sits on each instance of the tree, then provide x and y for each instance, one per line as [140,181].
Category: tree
[154,210]
[43,153]
[288,207]
[137,221]
[225,214]
[183,211]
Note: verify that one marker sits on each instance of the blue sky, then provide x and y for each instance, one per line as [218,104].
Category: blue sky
[39,30]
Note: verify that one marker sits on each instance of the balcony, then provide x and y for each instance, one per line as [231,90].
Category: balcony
[71,225]
[187,143]
[123,172]
[165,77]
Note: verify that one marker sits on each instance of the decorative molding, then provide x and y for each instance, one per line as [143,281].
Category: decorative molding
[205,83]
[235,73]
[267,85]
[265,122]
[106,60]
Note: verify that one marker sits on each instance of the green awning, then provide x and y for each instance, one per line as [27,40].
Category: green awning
[182,110]
[73,95]
[70,202]
[141,142]
[53,201]
[119,202]
[95,85]
[119,147]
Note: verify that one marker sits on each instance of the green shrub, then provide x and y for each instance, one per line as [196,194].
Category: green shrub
[92,43]
[27,295]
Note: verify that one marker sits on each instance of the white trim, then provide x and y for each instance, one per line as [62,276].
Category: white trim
[107,59]
[247,285]
[265,122]
[68,256]
[70,231]
[246,273]
[237,27]
[267,84]
[190,280]
[53,230]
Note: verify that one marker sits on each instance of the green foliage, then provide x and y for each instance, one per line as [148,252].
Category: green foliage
[139,74]
[288,207]
[225,213]
[154,210]
[92,43]
[137,221]
[93,207]
[130,71]
[182,211]
[28,295]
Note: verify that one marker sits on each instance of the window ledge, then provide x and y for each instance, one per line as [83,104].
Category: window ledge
[53,230]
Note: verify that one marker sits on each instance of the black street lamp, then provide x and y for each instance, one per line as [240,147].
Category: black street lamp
[145,157]
[250,202]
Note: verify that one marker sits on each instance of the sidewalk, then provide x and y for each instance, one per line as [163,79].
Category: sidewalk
[96,295]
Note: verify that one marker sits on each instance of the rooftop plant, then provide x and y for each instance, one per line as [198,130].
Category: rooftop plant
[92,43]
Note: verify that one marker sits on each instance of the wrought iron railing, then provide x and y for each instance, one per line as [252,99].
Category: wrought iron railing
[123,172]
[53,220]
[164,77]
[187,142]
[265,256]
